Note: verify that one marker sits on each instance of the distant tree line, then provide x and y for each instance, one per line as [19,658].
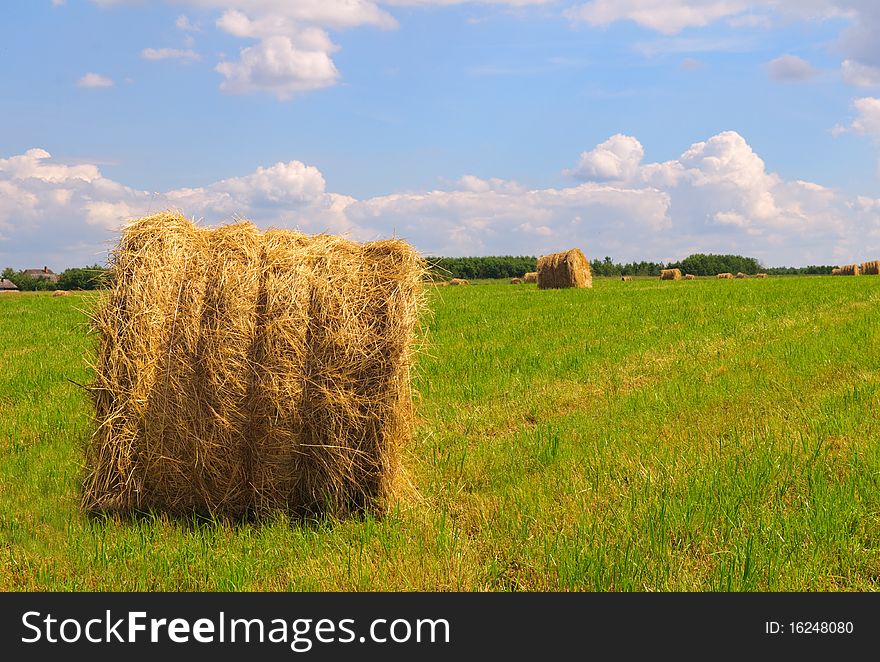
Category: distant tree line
[813,269]
[699,264]
[79,278]
[504,266]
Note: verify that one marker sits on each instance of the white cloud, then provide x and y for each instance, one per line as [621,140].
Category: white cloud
[750,21]
[665,16]
[183,23]
[279,67]
[868,117]
[790,68]
[94,80]
[718,196]
[170,54]
[861,75]
[336,14]
[617,159]
[673,16]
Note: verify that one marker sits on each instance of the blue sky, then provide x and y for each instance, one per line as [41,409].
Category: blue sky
[639,129]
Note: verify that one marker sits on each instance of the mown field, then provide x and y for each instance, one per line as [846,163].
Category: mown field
[645,436]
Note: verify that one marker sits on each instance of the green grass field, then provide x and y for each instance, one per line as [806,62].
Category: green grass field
[707,435]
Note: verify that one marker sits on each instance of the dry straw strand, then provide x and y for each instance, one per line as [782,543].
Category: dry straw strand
[566,269]
[241,372]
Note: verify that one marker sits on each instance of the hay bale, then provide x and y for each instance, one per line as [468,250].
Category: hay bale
[531,277]
[850,270]
[566,269]
[516,281]
[240,372]
[760,275]
[835,271]
[459,281]
[740,274]
[726,274]
[60,293]
[670,274]
[871,268]
[690,277]
[626,278]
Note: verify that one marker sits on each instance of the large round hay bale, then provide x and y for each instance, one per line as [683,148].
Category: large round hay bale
[740,274]
[850,270]
[835,271]
[690,277]
[459,281]
[241,372]
[670,274]
[626,278]
[760,275]
[724,275]
[60,293]
[871,268]
[516,281]
[566,269]
[531,277]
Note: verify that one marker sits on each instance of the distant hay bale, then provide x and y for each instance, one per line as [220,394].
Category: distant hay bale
[835,271]
[566,269]
[516,281]
[60,293]
[670,274]
[760,275]
[850,270]
[871,268]
[459,281]
[241,372]
[726,274]
[690,277]
[740,274]
[531,277]
[626,278]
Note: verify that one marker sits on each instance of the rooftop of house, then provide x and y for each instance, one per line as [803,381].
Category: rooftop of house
[7,284]
[45,271]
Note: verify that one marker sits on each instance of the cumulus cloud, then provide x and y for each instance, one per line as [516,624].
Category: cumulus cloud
[790,68]
[665,16]
[170,54]
[92,79]
[717,196]
[617,158]
[860,75]
[673,16]
[183,23]
[866,122]
[277,66]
